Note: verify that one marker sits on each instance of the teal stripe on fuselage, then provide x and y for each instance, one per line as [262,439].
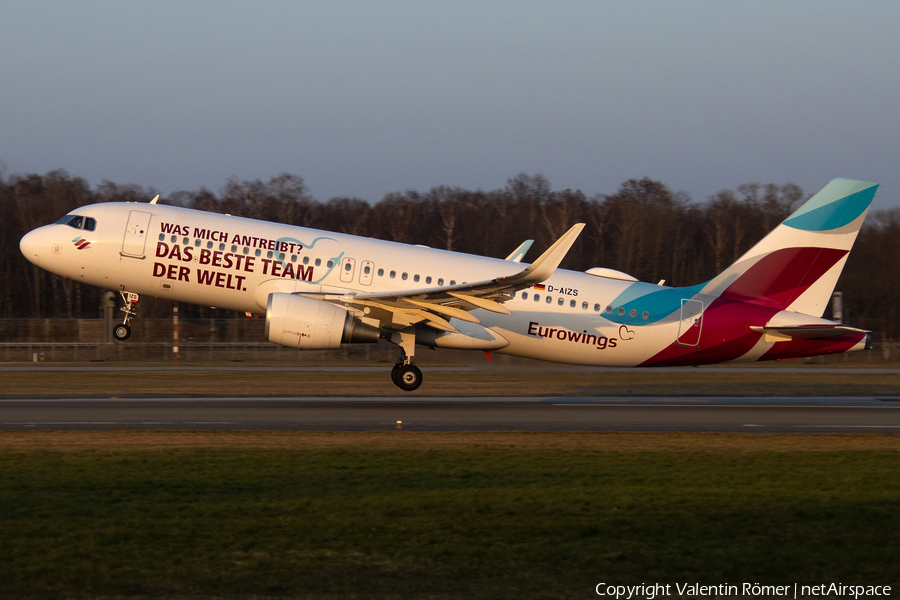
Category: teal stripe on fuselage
[840,203]
[641,297]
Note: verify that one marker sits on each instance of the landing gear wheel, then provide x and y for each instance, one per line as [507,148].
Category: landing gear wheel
[407,378]
[122,332]
[394,372]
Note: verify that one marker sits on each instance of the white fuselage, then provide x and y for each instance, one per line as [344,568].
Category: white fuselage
[235,263]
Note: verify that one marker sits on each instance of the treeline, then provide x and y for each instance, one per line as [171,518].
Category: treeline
[642,229]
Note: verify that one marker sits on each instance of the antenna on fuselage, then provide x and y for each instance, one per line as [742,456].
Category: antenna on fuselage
[155,199]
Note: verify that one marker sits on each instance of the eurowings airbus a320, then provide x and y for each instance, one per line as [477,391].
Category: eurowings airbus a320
[321,289]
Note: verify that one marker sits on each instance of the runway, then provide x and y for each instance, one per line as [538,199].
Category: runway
[686,414]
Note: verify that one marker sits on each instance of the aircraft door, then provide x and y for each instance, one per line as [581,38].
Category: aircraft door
[691,323]
[348,266]
[136,234]
[367,269]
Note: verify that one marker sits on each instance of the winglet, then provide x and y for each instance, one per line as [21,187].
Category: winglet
[541,269]
[519,253]
[155,199]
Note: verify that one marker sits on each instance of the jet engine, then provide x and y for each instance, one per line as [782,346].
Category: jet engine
[301,322]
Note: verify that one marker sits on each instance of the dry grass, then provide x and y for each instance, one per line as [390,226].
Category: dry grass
[499,382]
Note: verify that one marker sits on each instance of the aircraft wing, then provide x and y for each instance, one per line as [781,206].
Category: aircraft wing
[435,306]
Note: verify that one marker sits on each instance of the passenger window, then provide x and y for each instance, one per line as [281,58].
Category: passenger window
[621,311]
[452,282]
[416,278]
[524,295]
[293,257]
[366,270]
[305,260]
[441,281]
[329,264]
[247,251]
[633,313]
[537,298]
[162,237]
[645,315]
[186,242]
[222,247]
[584,306]
[561,302]
[174,239]
[280,255]
[318,262]
[428,279]
[549,299]
[381,272]
[197,243]
[404,276]
[209,246]
[234,249]
[571,304]
[393,274]
[270,254]
[258,252]
[609,309]
[596,308]
[348,266]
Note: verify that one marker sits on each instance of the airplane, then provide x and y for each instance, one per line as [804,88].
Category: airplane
[320,289]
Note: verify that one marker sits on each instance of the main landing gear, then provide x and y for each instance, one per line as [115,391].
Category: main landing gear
[405,374]
[122,331]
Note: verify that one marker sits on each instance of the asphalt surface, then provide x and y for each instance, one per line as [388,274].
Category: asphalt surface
[731,414]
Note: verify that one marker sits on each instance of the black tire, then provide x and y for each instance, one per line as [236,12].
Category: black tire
[394,372]
[409,378]
[122,332]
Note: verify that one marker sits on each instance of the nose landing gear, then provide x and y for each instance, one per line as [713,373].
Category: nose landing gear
[123,331]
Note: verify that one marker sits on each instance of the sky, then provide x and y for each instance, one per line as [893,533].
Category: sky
[366,98]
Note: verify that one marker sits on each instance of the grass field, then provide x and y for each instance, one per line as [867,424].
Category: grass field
[429,515]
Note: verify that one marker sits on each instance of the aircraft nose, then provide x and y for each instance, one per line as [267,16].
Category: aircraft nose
[31,245]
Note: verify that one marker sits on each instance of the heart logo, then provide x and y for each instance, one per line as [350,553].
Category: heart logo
[625,333]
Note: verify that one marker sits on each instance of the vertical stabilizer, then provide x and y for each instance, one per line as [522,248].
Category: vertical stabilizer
[797,265]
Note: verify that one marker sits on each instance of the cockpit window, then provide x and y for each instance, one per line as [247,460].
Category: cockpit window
[79,222]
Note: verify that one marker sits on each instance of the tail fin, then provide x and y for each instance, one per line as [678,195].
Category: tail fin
[797,265]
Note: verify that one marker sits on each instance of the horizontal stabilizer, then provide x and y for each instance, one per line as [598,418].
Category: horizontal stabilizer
[806,332]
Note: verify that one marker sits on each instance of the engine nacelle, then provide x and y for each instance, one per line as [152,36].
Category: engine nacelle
[301,322]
